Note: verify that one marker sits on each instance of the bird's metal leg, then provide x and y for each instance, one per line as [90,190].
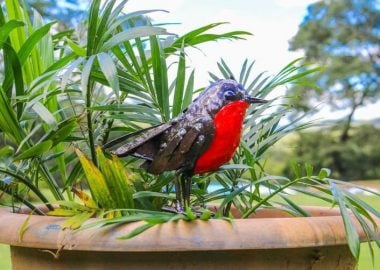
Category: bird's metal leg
[183,189]
[182,192]
[187,189]
[178,204]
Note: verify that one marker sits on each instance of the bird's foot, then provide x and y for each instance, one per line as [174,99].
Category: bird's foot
[175,210]
[179,209]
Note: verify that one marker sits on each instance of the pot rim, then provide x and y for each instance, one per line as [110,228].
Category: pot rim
[324,228]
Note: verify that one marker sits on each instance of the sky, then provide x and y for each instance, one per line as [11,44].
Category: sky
[272,22]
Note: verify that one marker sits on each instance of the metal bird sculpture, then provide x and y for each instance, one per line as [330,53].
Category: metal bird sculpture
[200,140]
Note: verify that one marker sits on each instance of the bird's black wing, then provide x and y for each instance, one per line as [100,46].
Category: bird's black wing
[182,145]
[144,140]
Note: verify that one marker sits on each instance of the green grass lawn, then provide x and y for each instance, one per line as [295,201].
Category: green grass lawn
[5,258]
[365,262]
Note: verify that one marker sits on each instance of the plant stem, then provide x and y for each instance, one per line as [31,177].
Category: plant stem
[29,204]
[90,131]
[54,188]
[33,188]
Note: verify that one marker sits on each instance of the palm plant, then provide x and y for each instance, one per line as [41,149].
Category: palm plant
[63,95]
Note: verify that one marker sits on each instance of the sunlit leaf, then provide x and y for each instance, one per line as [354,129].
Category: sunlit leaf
[351,233]
[109,70]
[136,32]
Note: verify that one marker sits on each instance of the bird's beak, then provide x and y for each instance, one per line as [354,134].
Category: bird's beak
[252,100]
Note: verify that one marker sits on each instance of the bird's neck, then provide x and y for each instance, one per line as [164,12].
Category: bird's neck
[233,111]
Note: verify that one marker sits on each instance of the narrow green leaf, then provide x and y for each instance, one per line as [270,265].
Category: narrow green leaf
[179,85]
[351,233]
[231,196]
[73,205]
[235,166]
[63,130]
[60,212]
[117,180]
[127,17]
[213,76]
[297,169]
[93,22]
[36,150]
[145,194]
[85,198]
[76,221]
[32,41]
[227,69]
[13,74]
[296,208]
[109,70]
[247,74]
[128,108]
[7,28]
[86,74]
[136,231]
[104,21]
[74,175]
[24,227]
[96,181]
[67,75]
[45,114]
[242,71]
[309,169]
[160,77]
[76,48]
[188,97]
[132,33]
[6,151]
[61,62]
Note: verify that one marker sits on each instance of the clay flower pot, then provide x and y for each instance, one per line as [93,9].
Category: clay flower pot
[270,240]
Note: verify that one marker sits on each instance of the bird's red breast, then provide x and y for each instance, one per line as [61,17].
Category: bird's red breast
[228,127]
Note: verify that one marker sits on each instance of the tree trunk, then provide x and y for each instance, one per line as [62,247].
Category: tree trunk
[346,128]
[337,156]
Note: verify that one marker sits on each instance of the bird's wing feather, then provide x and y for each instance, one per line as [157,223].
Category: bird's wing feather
[182,151]
[136,139]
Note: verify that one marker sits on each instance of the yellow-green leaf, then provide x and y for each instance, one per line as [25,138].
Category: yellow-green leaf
[62,212]
[76,221]
[96,181]
[85,198]
[24,227]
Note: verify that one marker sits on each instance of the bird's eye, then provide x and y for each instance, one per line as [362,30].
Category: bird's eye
[229,94]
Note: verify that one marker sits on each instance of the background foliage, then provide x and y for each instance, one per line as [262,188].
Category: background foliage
[344,37]
[360,154]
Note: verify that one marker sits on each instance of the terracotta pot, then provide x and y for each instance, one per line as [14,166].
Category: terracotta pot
[270,240]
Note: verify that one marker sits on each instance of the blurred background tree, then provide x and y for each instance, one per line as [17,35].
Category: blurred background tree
[360,155]
[68,12]
[344,37]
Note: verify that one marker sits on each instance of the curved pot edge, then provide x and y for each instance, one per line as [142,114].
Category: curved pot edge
[242,234]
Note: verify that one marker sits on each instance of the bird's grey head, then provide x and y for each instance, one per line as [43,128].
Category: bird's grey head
[222,92]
